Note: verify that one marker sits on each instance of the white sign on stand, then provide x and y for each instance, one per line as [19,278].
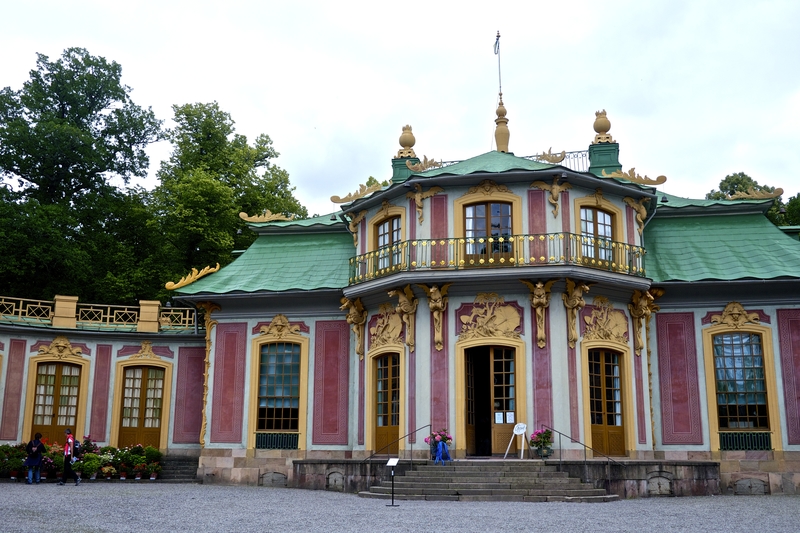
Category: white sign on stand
[519,429]
[393,462]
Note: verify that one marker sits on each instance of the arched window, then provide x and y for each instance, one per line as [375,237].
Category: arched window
[597,230]
[389,235]
[487,229]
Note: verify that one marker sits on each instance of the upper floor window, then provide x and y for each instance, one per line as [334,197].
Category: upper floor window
[596,225]
[486,221]
[389,235]
[741,382]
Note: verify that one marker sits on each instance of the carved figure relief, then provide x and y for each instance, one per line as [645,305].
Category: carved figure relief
[487,187]
[60,348]
[357,318]
[407,309]
[280,327]
[641,307]
[605,322]
[419,197]
[574,302]
[641,210]
[554,189]
[387,329]
[437,302]
[490,317]
[146,352]
[735,316]
[540,300]
[355,220]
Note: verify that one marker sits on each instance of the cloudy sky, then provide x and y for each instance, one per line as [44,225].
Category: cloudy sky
[695,90]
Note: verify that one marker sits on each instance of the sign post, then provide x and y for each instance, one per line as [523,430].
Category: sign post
[392,463]
[519,430]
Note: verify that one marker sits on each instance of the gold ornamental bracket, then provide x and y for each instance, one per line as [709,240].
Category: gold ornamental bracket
[357,318]
[407,310]
[633,177]
[573,301]
[355,220]
[639,208]
[61,348]
[266,216]
[641,308]
[753,194]
[419,197]
[362,191]
[437,303]
[422,166]
[279,328]
[145,352]
[554,190]
[735,316]
[540,300]
[550,157]
[193,276]
[208,307]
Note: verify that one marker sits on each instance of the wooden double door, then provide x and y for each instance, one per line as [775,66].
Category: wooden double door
[55,404]
[605,402]
[387,403]
[142,404]
[491,399]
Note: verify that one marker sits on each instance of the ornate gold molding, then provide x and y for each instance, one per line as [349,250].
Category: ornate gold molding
[487,188]
[605,322]
[598,196]
[279,328]
[540,300]
[437,302]
[554,190]
[641,210]
[490,317]
[387,329]
[209,308]
[422,166]
[550,157]
[353,225]
[573,301]
[146,352]
[735,316]
[193,276]
[641,307]
[753,194]
[601,127]
[357,318]
[407,309]
[655,292]
[266,216]
[61,348]
[419,197]
[632,176]
[384,209]
[362,191]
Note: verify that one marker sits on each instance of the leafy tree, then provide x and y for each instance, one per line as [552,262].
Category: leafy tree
[71,126]
[212,175]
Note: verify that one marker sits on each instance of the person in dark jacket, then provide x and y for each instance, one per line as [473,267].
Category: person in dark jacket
[35,449]
[69,455]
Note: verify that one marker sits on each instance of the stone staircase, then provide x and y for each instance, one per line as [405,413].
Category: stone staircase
[520,481]
[179,469]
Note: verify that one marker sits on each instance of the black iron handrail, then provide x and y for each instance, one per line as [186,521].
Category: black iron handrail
[585,463]
[411,447]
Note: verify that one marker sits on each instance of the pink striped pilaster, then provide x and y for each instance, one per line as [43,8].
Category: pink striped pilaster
[230,361]
[361,415]
[640,418]
[438,224]
[331,372]
[100,390]
[537,224]
[542,375]
[789,342]
[632,228]
[440,389]
[189,395]
[12,399]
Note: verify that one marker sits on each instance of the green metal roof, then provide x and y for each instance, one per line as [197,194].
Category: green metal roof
[281,263]
[321,220]
[676,202]
[722,247]
[490,162]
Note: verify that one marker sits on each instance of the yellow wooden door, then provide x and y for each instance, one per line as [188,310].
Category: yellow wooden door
[387,400]
[55,406]
[605,398]
[142,396]
[504,404]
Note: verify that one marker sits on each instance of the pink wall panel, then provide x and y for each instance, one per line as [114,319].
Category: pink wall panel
[230,361]
[789,338]
[438,214]
[566,222]
[331,372]
[440,370]
[678,379]
[361,401]
[537,222]
[12,399]
[101,387]
[641,424]
[572,373]
[542,376]
[189,395]
[632,228]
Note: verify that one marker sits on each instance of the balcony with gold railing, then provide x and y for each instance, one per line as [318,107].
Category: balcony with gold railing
[499,252]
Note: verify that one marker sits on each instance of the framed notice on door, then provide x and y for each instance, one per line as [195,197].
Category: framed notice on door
[510,417]
[498,417]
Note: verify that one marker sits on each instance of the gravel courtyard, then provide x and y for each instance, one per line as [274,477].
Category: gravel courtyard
[155,507]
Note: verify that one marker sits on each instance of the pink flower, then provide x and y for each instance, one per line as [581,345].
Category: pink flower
[438,438]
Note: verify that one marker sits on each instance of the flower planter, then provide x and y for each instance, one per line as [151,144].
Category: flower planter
[93,476]
[13,475]
[544,452]
[123,476]
[138,476]
[153,476]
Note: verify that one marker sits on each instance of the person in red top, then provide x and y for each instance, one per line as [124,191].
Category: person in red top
[69,453]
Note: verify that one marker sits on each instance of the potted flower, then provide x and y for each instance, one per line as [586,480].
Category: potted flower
[153,469]
[139,470]
[123,471]
[541,441]
[47,466]
[435,438]
[14,466]
[108,471]
[91,464]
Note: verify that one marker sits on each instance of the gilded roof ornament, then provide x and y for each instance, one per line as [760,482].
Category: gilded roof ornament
[422,166]
[735,316]
[554,190]
[753,194]
[362,191]
[550,157]
[632,176]
[487,187]
[419,197]
[193,276]
[501,132]
[602,126]
[266,216]
[407,142]
[60,348]
[641,210]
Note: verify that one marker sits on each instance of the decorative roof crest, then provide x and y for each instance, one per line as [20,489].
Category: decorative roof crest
[632,176]
[550,157]
[362,191]
[407,142]
[266,216]
[422,166]
[193,276]
[753,194]
[602,126]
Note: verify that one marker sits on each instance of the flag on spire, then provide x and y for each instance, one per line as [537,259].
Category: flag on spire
[497,44]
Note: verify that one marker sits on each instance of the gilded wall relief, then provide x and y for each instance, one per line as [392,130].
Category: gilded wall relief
[490,317]
[574,302]
[639,208]
[407,309]
[641,307]
[355,220]
[193,276]
[279,328]
[146,352]
[554,190]
[487,188]
[735,316]
[60,348]
[437,302]
[387,328]
[540,300]
[605,322]
[357,318]
[419,197]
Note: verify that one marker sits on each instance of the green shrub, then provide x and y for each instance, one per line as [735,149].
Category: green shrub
[152,454]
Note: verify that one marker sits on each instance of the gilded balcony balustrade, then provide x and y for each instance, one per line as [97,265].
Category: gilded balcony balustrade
[499,252]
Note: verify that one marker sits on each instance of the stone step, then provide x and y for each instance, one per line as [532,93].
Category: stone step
[491,497]
[485,474]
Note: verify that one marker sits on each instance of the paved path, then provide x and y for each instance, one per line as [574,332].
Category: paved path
[155,507]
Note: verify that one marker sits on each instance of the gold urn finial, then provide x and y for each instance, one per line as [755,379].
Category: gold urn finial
[602,126]
[501,133]
[407,142]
